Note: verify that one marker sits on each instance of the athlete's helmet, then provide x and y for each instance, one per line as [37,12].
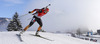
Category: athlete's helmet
[46,9]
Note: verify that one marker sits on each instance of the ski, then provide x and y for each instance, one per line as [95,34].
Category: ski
[20,38]
[42,37]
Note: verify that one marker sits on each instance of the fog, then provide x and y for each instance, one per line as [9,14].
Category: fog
[65,15]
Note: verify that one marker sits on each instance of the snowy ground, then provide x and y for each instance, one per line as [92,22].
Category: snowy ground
[11,38]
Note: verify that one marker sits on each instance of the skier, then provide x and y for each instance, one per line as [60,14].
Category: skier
[36,18]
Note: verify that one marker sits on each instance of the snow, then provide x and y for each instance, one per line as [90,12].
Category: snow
[11,38]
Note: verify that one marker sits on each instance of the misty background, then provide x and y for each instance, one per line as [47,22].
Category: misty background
[64,15]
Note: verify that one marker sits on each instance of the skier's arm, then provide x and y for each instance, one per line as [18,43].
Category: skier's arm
[33,11]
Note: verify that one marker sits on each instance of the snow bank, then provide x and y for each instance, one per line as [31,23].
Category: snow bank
[11,38]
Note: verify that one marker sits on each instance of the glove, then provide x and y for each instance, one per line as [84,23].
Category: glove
[29,12]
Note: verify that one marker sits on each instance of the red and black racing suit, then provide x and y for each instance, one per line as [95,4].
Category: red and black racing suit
[37,16]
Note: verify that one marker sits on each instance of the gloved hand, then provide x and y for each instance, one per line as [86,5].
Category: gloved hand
[29,12]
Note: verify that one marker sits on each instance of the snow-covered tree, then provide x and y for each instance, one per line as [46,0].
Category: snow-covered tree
[14,24]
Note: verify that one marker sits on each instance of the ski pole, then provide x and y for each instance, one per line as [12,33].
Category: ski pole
[24,15]
[29,18]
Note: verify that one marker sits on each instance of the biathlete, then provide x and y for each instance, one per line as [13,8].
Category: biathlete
[36,18]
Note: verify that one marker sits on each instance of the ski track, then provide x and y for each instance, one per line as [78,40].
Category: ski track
[11,38]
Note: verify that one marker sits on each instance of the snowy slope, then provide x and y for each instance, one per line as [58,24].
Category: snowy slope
[11,38]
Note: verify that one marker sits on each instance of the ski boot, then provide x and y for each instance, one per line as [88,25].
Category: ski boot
[37,34]
[21,32]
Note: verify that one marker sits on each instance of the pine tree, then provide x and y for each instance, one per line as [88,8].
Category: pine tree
[14,24]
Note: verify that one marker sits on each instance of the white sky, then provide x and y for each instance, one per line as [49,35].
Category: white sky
[67,14]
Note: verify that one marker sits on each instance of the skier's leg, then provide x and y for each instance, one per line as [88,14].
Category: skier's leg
[31,23]
[39,28]
[24,30]
[26,27]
